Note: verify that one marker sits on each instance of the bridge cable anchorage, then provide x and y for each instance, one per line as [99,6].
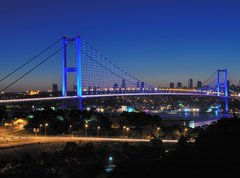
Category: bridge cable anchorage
[116,65]
[209,78]
[45,60]
[30,60]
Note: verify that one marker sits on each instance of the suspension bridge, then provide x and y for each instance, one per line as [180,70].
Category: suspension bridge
[97,76]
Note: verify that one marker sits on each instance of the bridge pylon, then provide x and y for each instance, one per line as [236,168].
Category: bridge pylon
[77,69]
[222,86]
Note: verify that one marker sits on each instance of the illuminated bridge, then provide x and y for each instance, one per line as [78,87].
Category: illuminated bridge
[97,76]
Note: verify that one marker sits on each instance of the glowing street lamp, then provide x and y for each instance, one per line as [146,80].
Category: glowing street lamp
[46,125]
[158,130]
[110,159]
[127,129]
[70,129]
[124,127]
[86,127]
[185,131]
[98,129]
[40,129]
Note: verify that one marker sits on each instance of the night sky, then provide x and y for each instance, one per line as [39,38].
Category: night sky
[159,41]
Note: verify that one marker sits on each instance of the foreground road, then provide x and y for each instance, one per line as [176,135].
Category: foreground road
[17,141]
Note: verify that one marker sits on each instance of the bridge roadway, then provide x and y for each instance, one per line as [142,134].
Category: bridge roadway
[127,93]
[13,141]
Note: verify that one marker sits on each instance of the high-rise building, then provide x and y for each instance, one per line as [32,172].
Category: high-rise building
[190,83]
[115,86]
[123,83]
[171,85]
[54,87]
[199,84]
[138,85]
[179,85]
[228,83]
[142,84]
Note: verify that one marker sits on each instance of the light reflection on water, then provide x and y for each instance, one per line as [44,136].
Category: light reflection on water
[199,119]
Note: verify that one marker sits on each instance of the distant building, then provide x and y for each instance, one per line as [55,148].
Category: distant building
[199,84]
[179,85]
[123,83]
[142,84]
[138,85]
[228,83]
[171,85]
[115,86]
[54,87]
[190,83]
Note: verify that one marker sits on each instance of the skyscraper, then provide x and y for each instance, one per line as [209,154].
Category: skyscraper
[123,83]
[138,85]
[54,87]
[190,83]
[199,84]
[179,85]
[228,83]
[115,86]
[142,85]
[171,85]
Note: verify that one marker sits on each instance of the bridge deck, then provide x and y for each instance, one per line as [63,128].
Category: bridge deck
[113,94]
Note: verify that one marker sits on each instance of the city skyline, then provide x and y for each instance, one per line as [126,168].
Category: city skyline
[158,42]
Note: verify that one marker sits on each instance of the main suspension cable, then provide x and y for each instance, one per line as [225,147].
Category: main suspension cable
[45,60]
[30,60]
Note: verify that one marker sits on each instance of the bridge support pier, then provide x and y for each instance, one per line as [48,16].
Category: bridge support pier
[77,69]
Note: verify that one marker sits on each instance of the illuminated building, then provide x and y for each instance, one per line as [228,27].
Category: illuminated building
[123,83]
[138,85]
[190,83]
[179,85]
[115,86]
[54,88]
[31,93]
[171,85]
[199,84]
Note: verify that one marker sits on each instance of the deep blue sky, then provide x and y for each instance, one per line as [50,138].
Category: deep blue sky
[158,41]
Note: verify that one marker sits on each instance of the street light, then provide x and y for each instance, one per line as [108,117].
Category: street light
[70,129]
[46,125]
[124,127]
[110,159]
[40,130]
[98,129]
[185,131]
[127,129]
[86,127]
[158,130]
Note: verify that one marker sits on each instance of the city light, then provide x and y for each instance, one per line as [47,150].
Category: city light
[127,129]
[98,129]
[46,125]
[110,159]
[86,129]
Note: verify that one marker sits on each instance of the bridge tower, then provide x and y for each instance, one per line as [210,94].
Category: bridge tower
[77,69]
[222,85]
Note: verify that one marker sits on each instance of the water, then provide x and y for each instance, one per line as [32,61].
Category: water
[199,119]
